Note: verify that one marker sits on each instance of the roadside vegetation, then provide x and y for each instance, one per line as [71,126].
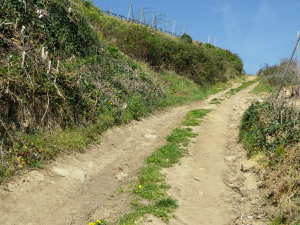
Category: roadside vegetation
[262,87]
[274,135]
[270,130]
[67,75]
[271,77]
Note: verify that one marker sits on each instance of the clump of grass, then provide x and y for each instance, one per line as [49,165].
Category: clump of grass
[180,90]
[193,118]
[150,191]
[279,220]
[262,87]
[216,101]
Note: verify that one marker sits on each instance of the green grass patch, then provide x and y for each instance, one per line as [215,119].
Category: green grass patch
[193,118]
[244,85]
[216,101]
[180,90]
[262,87]
[279,220]
[150,191]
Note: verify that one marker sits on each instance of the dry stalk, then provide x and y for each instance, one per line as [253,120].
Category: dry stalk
[45,113]
[49,66]
[23,59]
[58,91]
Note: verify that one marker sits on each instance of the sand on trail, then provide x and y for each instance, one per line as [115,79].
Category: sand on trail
[78,188]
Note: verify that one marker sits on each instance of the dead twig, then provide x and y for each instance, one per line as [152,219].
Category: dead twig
[47,108]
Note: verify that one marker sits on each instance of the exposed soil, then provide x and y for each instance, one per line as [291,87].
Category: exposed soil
[214,184]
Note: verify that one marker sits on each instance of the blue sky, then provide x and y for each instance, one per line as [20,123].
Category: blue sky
[260,31]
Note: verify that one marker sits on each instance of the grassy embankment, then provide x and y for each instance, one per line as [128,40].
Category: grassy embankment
[271,132]
[68,73]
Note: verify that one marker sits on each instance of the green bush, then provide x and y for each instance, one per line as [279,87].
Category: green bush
[186,38]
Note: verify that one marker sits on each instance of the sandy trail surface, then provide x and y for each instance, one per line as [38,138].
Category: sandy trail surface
[215,184]
[78,188]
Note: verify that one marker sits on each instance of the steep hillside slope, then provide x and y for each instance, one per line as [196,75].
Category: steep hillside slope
[203,63]
[61,83]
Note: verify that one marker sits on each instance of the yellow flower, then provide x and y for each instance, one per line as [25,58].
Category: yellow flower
[92,223]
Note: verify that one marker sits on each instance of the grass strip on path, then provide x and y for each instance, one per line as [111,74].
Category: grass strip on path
[244,85]
[150,190]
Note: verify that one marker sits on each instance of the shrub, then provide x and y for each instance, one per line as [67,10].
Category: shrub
[273,75]
[186,38]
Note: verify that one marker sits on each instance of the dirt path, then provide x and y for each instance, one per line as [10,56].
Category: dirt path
[208,183]
[214,184]
[79,187]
